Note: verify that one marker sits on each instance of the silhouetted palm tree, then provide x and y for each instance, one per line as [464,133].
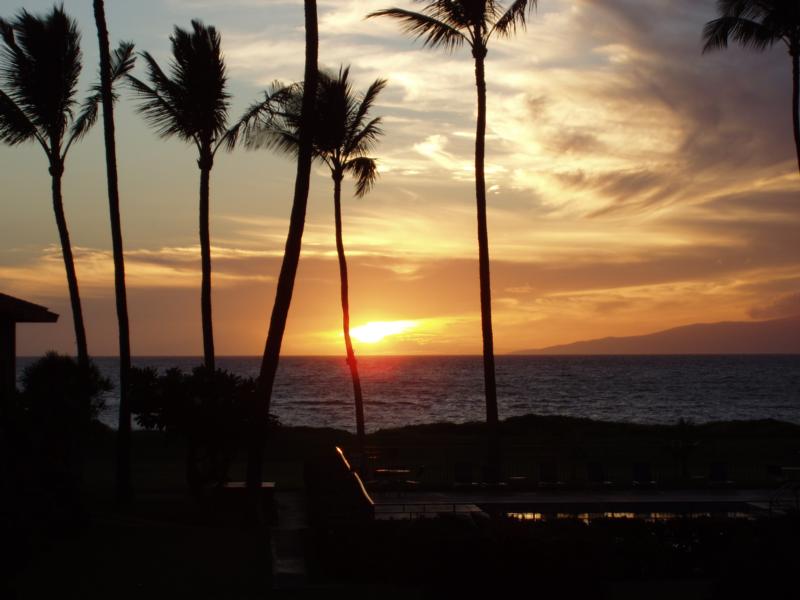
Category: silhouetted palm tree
[123,470]
[760,24]
[40,65]
[291,256]
[192,104]
[450,24]
[344,136]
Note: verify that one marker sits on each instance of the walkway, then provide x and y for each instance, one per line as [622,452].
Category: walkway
[416,504]
[288,540]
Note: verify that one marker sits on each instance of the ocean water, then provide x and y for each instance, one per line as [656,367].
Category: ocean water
[404,390]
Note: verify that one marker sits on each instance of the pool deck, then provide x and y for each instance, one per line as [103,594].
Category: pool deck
[394,505]
[290,533]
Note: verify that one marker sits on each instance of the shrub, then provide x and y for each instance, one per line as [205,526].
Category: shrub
[58,393]
[212,414]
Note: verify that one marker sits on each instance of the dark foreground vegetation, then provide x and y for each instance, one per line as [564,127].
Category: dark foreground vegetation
[63,533]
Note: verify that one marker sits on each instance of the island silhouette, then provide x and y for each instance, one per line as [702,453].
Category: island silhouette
[774,336]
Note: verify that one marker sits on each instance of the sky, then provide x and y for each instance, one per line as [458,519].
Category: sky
[634,185]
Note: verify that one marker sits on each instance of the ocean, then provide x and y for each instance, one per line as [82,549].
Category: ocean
[405,390]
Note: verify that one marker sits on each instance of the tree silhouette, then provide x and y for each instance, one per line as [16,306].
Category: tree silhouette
[123,470]
[40,64]
[450,24]
[291,257]
[344,136]
[760,24]
[191,103]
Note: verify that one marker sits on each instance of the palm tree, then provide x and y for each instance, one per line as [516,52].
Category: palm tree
[760,24]
[123,470]
[450,24]
[40,65]
[344,136]
[291,256]
[192,104]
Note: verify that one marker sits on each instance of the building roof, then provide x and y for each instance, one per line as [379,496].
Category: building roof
[21,311]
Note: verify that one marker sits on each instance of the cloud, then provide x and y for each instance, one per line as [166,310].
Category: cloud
[577,140]
[166,267]
[635,184]
[783,306]
[616,92]
[537,302]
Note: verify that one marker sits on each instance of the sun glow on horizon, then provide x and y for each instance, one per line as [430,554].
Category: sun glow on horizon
[375,331]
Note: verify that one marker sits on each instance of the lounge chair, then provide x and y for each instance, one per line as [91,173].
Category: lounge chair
[643,475]
[597,476]
[718,475]
[548,475]
[463,475]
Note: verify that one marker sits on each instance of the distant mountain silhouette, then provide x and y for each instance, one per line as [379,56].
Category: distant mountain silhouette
[777,336]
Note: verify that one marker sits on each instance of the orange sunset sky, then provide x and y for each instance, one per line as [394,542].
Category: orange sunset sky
[634,185]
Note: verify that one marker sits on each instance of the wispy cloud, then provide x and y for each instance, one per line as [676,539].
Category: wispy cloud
[634,184]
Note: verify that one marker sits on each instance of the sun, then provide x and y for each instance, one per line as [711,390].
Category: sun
[375,331]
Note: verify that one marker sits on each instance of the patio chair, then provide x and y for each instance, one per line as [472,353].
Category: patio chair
[643,475]
[548,475]
[597,475]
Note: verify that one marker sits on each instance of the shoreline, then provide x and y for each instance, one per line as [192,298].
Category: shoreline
[514,423]
[537,450]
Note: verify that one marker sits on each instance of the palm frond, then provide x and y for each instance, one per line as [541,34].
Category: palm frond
[14,67]
[433,32]
[368,100]
[156,104]
[191,101]
[272,138]
[754,10]
[459,15]
[15,126]
[199,79]
[364,140]
[365,172]
[280,129]
[782,17]
[86,119]
[7,32]
[747,33]
[514,17]
[258,114]
[122,61]
[40,66]
[162,84]
[340,134]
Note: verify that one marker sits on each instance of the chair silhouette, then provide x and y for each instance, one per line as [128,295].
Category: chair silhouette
[718,475]
[463,474]
[597,476]
[643,475]
[548,475]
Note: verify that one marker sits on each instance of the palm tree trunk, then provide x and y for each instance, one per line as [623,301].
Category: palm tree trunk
[205,164]
[490,386]
[291,258]
[123,466]
[56,171]
[796,98]
[351,355]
